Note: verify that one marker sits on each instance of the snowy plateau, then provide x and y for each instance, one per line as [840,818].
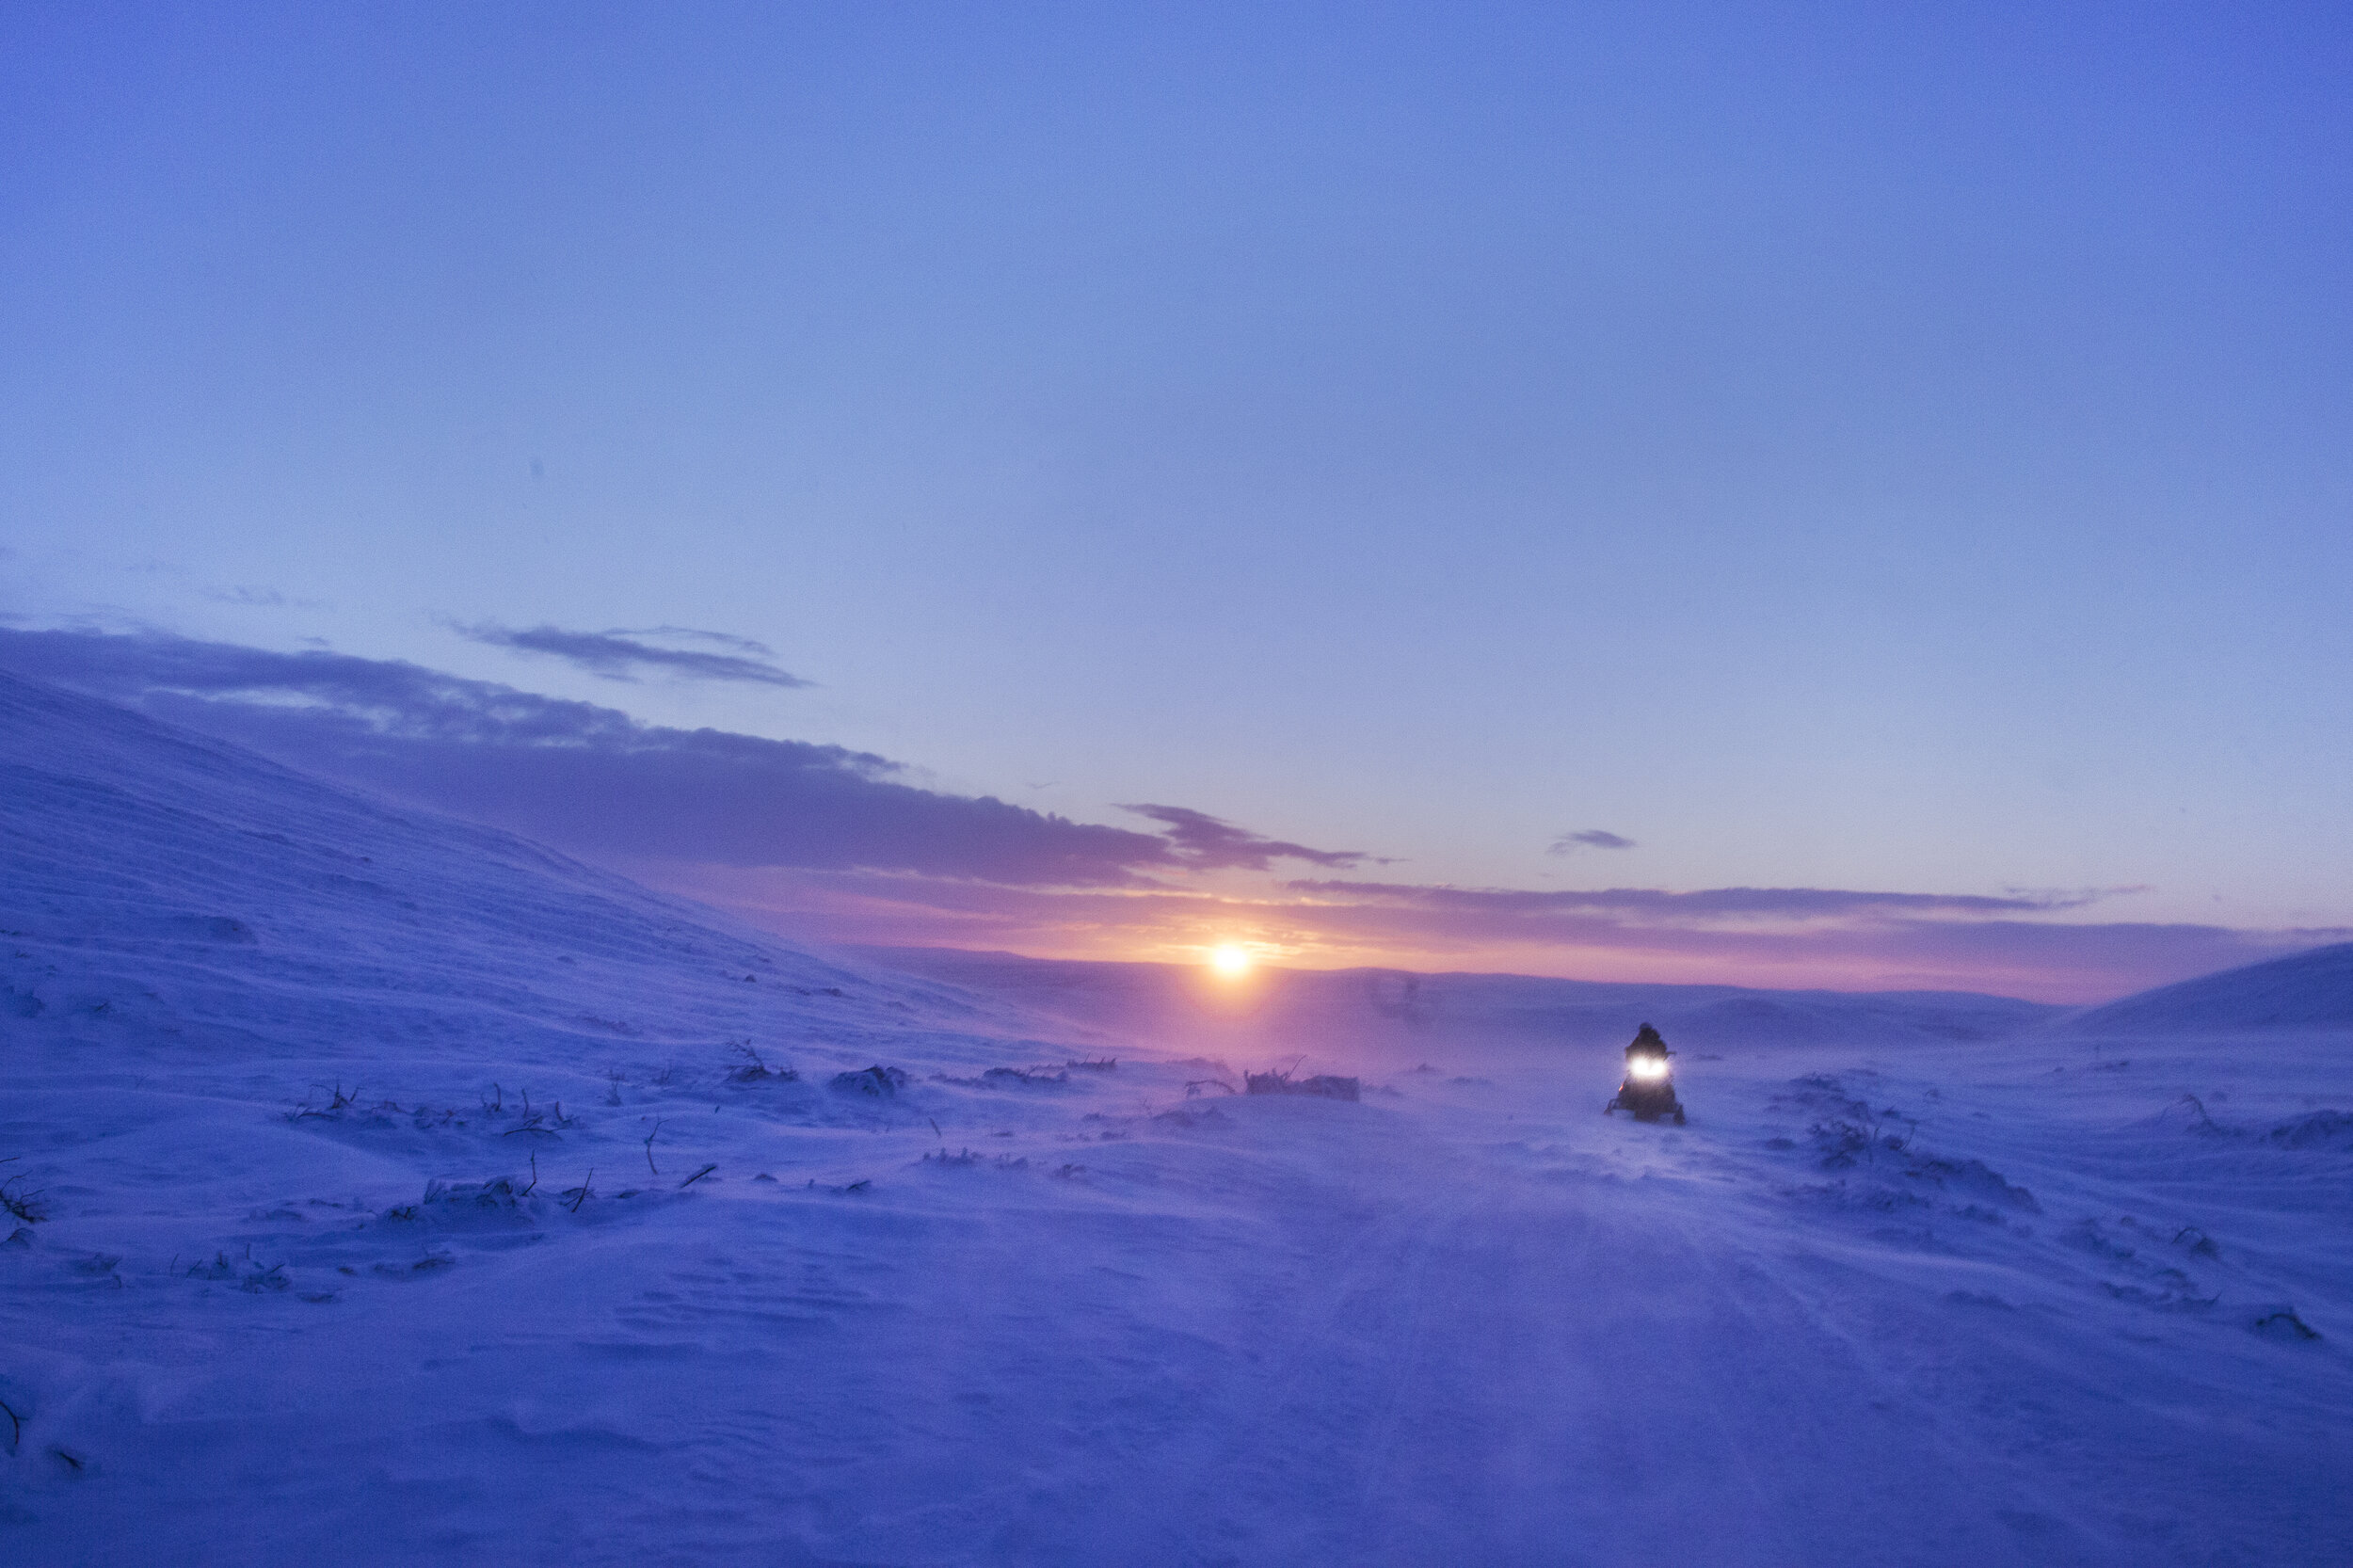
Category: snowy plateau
[389,1189]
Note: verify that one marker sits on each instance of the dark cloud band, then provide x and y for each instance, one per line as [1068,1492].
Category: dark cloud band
[585,778]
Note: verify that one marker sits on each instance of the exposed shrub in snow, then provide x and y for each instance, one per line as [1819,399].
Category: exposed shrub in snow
[1210,1116]
[2153,1281]
[2191,1238]
[974,1156]
[878,1080]
[1010,1076]
[432,1262]
[339,1105]
[100,1265]
[244,1274]
[29,1204]
[1850,1133]
[750,1068]
[2189,1114]
[2282,1323]
[500,1200]
[498,1192]
[1323,1085]
[1973,1176]
[1860,1134]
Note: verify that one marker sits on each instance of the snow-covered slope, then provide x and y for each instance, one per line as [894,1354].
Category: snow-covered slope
[188,901]
[297,1297]
[2310,990]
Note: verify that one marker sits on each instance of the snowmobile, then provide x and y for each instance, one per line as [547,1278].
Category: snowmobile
[1648,1090]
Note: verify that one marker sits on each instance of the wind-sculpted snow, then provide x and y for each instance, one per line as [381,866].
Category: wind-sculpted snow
[392,1191]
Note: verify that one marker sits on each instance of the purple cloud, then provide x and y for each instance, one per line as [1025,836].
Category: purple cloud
[1208,843]
[1706,903]
[618,655]
[1592,838]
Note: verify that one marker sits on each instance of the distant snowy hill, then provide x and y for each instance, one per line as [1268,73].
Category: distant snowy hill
[2311,990]
[383,1190]
[1394,1015]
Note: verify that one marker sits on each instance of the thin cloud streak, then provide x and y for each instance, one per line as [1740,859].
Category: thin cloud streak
[619,654]
[1592,838]
[1208,843]
[1711,903]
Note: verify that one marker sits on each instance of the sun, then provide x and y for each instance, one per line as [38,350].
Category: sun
[1230,959]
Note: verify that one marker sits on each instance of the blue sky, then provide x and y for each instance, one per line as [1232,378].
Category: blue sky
[1828,448]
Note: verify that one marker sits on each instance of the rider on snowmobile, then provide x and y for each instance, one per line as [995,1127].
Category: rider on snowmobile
[1648,1090]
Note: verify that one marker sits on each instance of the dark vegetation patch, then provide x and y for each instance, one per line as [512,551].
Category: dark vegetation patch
[1206,1116]
[497,1116]
[432,1262]
[1850,1134]
[878,1080]
[2321,1129]
[1321,1086]
[502,1198]
[1049,1076]
[1018,1076]
[22,1201]
[967,1158]
[751,1067]
[2282,1324]
[243,1272]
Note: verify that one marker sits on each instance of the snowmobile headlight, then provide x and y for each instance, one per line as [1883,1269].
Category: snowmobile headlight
[1650,1069]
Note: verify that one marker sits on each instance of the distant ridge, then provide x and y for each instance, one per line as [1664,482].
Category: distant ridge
[1308,1010]
[2311,990]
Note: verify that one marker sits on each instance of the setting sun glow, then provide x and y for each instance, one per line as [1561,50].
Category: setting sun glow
[1229,960]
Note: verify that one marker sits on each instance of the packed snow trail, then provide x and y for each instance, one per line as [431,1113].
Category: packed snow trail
[267,1052]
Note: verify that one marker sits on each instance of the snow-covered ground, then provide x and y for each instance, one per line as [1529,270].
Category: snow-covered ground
[2001,1293]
